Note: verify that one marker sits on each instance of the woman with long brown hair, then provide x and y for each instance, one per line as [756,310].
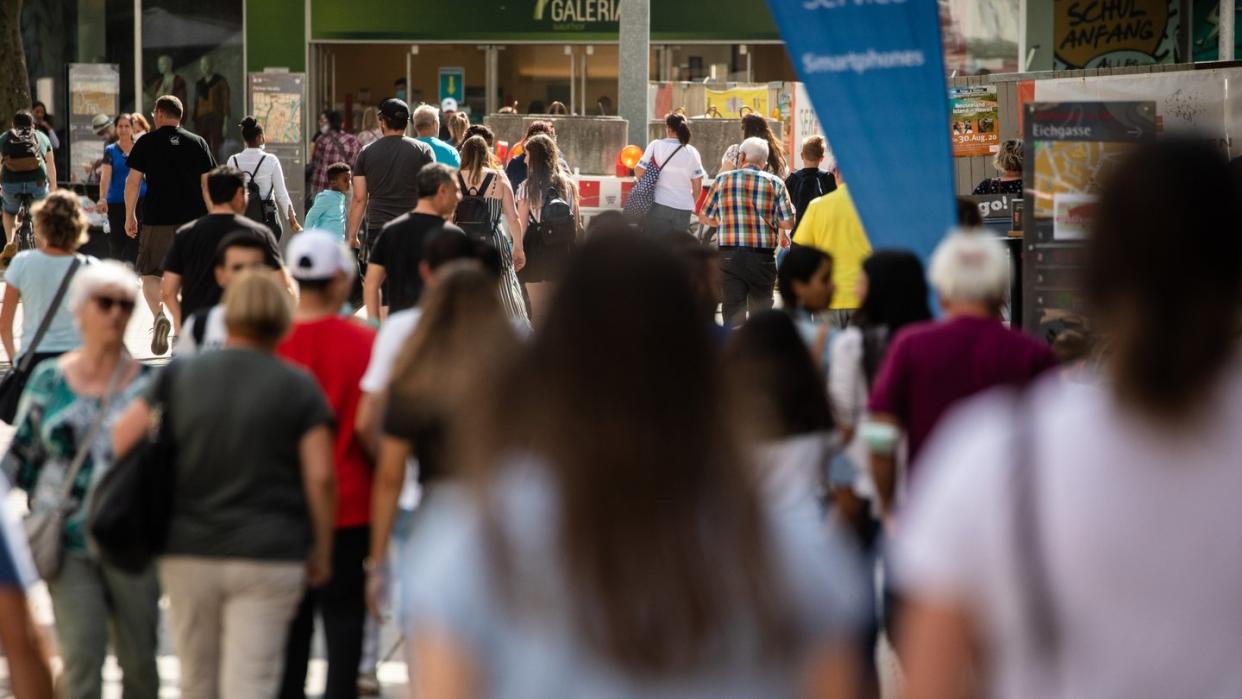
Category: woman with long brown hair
[549,230]
[1080,540]
[755,126]
[614,544]
[112,174]
[479,180]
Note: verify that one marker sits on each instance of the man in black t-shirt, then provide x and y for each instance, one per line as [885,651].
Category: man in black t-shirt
[399,249]
[810,183]
[175,164]
[384,174]
[189,267]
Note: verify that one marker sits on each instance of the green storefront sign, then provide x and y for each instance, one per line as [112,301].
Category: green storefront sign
[536,20]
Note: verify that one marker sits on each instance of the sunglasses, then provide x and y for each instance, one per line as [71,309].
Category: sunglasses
[107,303]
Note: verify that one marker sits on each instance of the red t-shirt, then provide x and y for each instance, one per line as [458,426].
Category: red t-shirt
[931,366]
[336,351]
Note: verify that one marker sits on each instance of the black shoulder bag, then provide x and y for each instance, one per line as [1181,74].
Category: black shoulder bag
[14,382]
[131,506]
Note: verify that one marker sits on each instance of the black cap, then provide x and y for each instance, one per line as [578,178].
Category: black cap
[394,109]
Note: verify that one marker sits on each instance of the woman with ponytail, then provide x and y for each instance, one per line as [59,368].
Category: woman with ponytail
[264,169]
[681,177]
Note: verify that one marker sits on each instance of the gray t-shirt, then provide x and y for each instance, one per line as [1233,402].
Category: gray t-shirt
[448,583]
[390,166]
[238,418]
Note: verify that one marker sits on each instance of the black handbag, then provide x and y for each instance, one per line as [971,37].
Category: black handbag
[131,505]
[14,382]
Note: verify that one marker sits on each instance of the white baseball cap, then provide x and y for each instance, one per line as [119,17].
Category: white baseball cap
[448,104]
[317,255]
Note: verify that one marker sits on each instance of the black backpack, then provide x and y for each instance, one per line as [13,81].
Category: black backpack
[259,209]
[556,220]
[474,216]
[21,151]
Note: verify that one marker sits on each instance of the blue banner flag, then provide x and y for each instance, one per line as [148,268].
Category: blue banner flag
[875,73]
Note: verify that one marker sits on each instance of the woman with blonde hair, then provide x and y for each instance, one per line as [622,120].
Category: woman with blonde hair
[487,198]
[458,122]
[549,233]
[1008,161]
[371,130]
[253,506]
[35,277]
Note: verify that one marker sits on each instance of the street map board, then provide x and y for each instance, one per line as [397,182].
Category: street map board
[277,100]
[1071,149]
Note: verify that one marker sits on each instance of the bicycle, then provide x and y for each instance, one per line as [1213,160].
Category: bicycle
[23,230]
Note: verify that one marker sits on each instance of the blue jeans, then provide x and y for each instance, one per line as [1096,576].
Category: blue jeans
[37,190]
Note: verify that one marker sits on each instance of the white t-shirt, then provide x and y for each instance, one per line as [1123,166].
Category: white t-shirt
[270,176]
[847,387]
[214,337]
[1139,529]
[673,189]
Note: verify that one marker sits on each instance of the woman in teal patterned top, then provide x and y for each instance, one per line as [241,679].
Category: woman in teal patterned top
[57,409]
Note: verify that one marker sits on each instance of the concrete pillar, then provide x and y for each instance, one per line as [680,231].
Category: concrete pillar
[491,78]
[1227,20]
[635,67]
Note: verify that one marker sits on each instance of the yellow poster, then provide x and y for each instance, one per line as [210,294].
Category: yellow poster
[729,103]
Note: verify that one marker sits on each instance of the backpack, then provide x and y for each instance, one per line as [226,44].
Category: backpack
[474,216]
[258,208]
[555,226]
[21,151]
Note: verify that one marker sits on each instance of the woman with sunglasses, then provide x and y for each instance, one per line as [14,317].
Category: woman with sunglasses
[66,410]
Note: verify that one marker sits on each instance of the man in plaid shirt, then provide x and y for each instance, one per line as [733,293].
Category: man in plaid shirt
[333,146]
[753,213]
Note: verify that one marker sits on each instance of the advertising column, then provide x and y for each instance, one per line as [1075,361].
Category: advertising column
[1071,148]
[93,99]
[277,101]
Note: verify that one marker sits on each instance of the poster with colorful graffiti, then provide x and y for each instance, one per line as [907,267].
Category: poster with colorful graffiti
[1115,33]
[975,126]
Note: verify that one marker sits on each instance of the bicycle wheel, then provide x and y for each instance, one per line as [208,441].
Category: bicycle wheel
[25,230]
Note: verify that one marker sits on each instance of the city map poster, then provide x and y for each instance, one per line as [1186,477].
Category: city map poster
[94,89]
[276,101]
[734,102]
[975,124]
[1072,147]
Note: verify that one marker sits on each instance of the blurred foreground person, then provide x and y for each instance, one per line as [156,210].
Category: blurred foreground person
[60,449]
[1081,540]
[25,651]
[614,544]
[254,501]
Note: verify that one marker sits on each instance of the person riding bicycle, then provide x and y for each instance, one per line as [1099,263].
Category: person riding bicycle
[26,168]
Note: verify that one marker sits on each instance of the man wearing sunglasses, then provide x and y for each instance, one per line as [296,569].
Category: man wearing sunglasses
[204,329]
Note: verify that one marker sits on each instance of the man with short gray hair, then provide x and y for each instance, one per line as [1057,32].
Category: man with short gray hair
[427,125]
[752,210]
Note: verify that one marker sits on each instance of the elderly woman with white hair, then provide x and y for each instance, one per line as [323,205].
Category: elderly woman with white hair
[62,445]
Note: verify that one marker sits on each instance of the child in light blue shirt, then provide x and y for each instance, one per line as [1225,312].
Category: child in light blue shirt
[331,206]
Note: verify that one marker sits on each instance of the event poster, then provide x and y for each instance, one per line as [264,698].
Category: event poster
[975,123]
[94,90]
[1072,147]
[277,100]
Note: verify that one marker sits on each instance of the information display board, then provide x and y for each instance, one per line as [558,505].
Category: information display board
[278,101]
[1071,147]
[94,90]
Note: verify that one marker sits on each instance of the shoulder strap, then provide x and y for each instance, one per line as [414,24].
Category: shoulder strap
[487,183]
[257,165]
[672,155]
[465,189]
[84,447]
[44,324]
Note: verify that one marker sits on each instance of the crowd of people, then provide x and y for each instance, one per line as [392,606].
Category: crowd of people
[564,472]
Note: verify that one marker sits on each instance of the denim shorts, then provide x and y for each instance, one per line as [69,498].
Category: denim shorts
[12,189]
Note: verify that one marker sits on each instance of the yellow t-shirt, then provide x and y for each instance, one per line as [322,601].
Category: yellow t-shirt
[831,224]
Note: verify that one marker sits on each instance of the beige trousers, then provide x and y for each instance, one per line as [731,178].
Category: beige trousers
[230,620]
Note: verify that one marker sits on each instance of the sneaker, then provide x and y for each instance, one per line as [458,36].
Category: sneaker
[10,251]
[160,332]
[368,684]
